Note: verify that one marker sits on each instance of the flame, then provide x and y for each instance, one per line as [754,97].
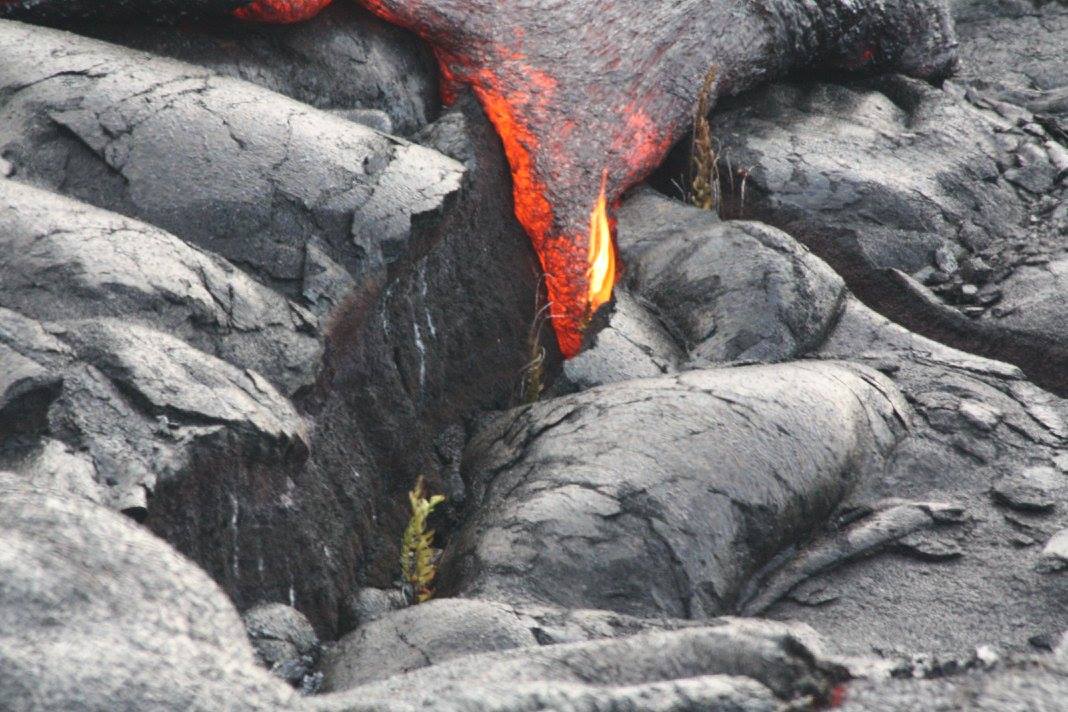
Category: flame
[601,274]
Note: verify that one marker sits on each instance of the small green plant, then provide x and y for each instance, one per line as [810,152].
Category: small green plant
[418,555]
[704,188]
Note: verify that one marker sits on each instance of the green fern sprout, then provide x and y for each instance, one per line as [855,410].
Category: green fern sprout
[418,554]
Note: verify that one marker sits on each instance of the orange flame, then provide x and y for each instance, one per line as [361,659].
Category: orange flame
[601,275]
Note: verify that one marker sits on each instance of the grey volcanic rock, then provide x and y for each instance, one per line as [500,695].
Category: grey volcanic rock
[65,260]
[423,635]
[448,628]
[264,413]
[145,407]
[1027,685]
[345,58]
[370,603]
[27,389]
[1035,489]
[738,665]
[898,175]
[662,496]
[220,163]
[98,614]
[1055,553]
[732,290]
[634,343]
[1018,57]
[979,424]
[283,639]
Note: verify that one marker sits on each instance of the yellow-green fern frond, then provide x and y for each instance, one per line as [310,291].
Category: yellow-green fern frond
[417,547]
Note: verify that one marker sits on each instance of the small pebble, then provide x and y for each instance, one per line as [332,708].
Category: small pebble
[946,260]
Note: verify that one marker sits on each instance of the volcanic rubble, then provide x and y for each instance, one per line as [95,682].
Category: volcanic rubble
[813,454]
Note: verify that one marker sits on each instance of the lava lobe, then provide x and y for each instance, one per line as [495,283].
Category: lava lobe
[590,96]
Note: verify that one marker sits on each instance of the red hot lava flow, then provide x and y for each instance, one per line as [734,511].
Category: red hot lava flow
[588,97]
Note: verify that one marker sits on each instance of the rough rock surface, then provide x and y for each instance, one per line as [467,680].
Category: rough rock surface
[284,641]
[66,260]
[570,509]
[45,10]
[897,508]
[140,407]
[634,343]
[895,178]
[1024,686]
[949,587]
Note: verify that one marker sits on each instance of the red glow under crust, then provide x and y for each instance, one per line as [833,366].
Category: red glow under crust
[281,12]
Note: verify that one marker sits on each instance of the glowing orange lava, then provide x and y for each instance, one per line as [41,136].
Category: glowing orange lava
[281,12]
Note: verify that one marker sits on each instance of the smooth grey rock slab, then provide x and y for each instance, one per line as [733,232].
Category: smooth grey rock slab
[662,496]
[98,614]
[218,162]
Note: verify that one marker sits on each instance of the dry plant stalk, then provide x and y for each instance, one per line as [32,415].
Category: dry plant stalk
[534,371]
[705,184]
[418,555]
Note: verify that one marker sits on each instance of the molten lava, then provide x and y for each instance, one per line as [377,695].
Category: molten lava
[281,12]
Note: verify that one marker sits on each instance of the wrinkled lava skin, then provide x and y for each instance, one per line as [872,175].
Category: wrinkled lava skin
[578,88]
